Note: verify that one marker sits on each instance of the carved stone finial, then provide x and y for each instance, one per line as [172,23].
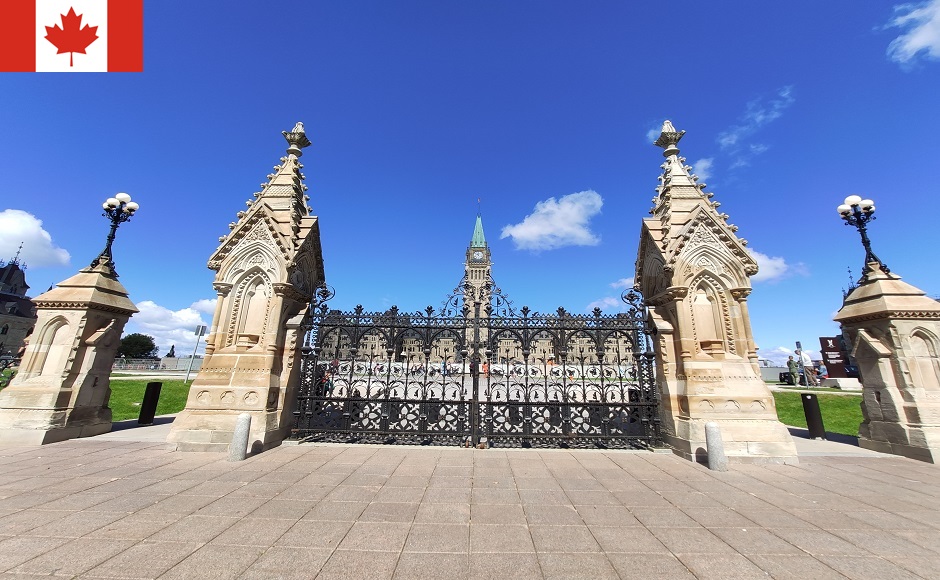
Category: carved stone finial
[297,139]
[668,139]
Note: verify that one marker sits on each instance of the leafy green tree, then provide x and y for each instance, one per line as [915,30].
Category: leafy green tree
[138,346]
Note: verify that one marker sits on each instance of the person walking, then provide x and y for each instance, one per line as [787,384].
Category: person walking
[793,368]
[809,370]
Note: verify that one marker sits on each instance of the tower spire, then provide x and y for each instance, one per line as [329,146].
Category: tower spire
[478,240]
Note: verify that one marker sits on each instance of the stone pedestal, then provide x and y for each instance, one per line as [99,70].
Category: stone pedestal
[844,384]
[62,388]
[268,268]
[694,273]
[893,330]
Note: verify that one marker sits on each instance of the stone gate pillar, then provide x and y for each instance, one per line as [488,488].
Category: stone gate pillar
[694,273]
[893,331]
[267,268]
[62,388]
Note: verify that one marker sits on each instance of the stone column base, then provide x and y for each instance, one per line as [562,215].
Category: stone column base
[903,436]
[212,430]
[844,384]
[42,426]
[745,440]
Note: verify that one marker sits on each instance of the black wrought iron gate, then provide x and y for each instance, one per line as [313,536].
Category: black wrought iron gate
[478,372]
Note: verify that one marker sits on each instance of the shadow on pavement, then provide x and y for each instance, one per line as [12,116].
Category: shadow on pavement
[833,437]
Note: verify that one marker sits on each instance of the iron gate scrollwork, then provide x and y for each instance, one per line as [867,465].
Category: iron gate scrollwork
[478,371]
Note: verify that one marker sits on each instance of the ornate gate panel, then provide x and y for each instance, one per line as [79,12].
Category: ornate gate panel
[484,374]
[570,381]
[384,378]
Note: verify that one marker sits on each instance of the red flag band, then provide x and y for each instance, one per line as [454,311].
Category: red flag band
[72,36]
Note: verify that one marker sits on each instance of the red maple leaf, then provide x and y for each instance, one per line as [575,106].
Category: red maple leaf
[71,38]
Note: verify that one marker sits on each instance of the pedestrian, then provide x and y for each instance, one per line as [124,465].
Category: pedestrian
[793,368]
[822,372]
[809,371]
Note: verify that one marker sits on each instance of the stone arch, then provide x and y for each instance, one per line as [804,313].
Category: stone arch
[254,254]
[53,346]
[717,261]
[710,312]
[249,308]
[925,367]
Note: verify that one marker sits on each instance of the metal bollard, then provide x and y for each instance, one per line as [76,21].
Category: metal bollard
[148,408]
[715,447]
[814,421]
[238,448]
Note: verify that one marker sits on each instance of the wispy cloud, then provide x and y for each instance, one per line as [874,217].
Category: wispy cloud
[703,168]
[757,115]
[774,268]
[921,26]
[557,223]
[172,327]
[779,355]
[608,303]
[653,134]
[622,284]
[613,303]
[18,226]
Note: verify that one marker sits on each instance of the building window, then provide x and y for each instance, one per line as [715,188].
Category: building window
[5,329]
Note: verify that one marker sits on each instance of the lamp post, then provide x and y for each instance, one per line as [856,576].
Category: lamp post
[858,212]
[118,209]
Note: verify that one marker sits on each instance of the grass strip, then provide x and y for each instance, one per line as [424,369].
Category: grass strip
[840,413]
[127,395]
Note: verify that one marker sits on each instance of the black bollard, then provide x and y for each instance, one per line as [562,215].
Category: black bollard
[814,421]
[148,408]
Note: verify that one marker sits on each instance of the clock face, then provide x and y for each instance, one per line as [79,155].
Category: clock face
[477,255]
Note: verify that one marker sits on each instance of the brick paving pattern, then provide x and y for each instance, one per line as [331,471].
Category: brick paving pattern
[130,509]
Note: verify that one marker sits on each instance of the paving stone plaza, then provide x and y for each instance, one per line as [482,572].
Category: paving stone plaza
[124,506]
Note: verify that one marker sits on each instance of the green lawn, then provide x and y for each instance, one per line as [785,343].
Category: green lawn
[840,413]
[125,393]
[5,377]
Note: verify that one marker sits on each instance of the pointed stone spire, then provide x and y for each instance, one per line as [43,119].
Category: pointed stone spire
[267,270]
[478,240]
[284,193]
[694,274]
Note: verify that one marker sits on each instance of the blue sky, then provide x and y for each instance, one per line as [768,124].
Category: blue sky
[543,110]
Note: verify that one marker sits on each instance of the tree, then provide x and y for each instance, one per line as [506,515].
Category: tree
[138,346]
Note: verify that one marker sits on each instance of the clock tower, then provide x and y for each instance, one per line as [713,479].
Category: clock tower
[477,268]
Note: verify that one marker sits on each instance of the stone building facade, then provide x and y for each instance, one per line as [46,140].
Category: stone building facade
[17,311]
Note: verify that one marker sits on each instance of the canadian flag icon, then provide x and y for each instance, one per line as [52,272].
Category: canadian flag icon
[72,36]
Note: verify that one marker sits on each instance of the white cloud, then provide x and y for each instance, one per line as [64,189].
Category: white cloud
[921,23]
[608,303]
[623,283]
[758,114]
[703,168]
[779,355]
[171,327]
[18,226]
[653,134]
[771,268]
[613,303]
[206,306]
[557,223]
